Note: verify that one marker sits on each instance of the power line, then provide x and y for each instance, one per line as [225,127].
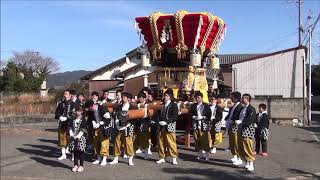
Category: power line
[303,30]
[276,42]
[314,25]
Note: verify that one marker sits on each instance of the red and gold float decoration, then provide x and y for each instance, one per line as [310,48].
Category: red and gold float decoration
[183,31]
[194,37]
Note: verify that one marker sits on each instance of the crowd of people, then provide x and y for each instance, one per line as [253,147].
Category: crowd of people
[87,127]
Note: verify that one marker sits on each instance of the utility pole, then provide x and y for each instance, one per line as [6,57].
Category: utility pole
[300,22]
[309,67]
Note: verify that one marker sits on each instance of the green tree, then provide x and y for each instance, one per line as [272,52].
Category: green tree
[79,87]
[25,72]
[12,79]
[315,81]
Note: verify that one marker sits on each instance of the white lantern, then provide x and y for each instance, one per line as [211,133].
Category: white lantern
[145,61]
[214,63]
[215,84]
[145,80]
[195,59]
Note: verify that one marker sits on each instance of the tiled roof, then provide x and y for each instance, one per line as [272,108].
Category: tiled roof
[102,69]
[232,58]
[269,54]
[133,68]
[108,66]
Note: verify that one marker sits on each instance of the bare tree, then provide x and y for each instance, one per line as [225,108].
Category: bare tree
[35,63]
[2,64]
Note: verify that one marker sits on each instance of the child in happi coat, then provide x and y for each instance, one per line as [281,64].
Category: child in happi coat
[262,130]
[77,133]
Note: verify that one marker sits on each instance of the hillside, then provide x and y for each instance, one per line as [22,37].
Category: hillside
[60,79]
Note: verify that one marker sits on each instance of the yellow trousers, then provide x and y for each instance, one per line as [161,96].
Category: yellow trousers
[167,144]
[216,139]
[104,149]
[245,149]
[201,140]
[142,140]
[62,138]
[101,144]
[233,143]
[126,141]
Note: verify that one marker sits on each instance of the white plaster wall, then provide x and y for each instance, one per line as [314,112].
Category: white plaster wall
[108,74]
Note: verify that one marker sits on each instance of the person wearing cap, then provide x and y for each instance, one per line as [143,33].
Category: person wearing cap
[124,130]
[65,114]
[216,117]
[201,116]
[167,116]
[102,129]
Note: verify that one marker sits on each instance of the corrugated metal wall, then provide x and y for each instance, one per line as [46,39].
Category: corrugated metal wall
[280,74]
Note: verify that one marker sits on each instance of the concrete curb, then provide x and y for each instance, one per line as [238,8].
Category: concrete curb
[26,119]
[283,122]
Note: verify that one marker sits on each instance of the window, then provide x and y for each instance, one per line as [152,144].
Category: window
[153,87]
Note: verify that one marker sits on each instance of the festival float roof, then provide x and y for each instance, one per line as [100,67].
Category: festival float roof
[182,32]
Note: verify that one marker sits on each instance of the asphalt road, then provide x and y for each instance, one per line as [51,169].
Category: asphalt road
[30,152]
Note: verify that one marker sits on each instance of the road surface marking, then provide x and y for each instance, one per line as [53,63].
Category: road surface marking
[315,137]
[304,176]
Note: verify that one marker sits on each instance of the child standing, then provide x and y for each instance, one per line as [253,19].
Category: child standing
[262,130]
[77,134]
